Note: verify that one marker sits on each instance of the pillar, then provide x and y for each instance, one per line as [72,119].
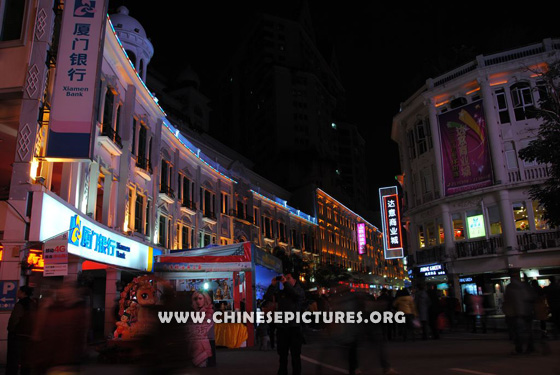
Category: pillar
[112,296]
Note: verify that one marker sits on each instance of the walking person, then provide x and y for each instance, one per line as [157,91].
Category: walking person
[405,303]
[20,329]
[422,301]
[290,297]
[434,310]
[552,292]
[518,302]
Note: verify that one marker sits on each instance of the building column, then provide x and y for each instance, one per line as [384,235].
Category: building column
[508,223]
[493,131]
[434,128]
[112,295]
[448,235]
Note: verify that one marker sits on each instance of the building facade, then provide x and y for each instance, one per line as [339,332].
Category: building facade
[467,211]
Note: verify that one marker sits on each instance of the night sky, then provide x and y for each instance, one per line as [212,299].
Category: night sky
[385,51]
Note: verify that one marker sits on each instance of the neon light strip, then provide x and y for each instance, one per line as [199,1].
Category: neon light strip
[358,216]
[292,211]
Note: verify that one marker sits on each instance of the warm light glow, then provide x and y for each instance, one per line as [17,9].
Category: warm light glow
[35,260]
[475,90]
[33,169]
[442,103]
[498,83]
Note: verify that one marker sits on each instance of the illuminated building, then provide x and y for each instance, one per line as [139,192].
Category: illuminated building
[466,202]
[337,243]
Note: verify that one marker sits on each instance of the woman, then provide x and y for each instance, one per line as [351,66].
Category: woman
[201,350]
[405,304]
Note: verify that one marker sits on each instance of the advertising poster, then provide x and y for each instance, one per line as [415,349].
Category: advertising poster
[465,152]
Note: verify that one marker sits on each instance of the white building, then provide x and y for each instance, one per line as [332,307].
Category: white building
[466,202]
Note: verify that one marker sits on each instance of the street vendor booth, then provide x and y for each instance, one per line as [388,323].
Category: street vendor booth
[235,276]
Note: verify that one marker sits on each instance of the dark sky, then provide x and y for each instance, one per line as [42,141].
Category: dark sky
[385,50]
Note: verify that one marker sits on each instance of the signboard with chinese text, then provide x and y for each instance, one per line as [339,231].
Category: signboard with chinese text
[76,82]
[89,239]
[432,270]
[391,219]
[475,226]
[361,229]
[55,253]
[465,152]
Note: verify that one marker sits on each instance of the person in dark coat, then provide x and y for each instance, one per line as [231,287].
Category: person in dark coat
[289,295]
[20,329]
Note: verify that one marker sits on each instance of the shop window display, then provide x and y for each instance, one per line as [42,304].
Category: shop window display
[538,213]
[520,216]
[458,227]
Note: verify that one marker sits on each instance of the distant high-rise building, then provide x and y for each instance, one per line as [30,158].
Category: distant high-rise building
[279,103]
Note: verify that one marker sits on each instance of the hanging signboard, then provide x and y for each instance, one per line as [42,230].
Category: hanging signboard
[76,82]
[391,219]
[55,254]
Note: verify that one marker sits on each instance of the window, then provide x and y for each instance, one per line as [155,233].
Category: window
[267,227]
[538,213]
[431,239]
[502,105]
[421,236]
[522,98]
[224,200]
[11,22]
[458,227]
[207,203]
[494,220]
[255,216]
[164,232]
[184,236]
[138,212]
[147,219]
[185,189]
[108,108]
[165,178]
[421,138]
[511,155]
[411,144]
[134,130]
[282,232]
[143,157]
[520,216]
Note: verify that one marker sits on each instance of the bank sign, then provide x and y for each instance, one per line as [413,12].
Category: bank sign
[88,239]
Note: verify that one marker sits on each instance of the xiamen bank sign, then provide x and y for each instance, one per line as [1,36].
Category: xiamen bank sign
[86,238]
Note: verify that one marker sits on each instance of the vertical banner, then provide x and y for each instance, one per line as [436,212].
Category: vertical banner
[361,229]
[391,220]
[55,254]
[76,81]
[466,160]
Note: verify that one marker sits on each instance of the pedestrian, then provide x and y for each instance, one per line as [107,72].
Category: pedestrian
[422,301]
[434,310]
[289,296]
[540,307]
[405,304]
[61,331]
[552,292]
[518,302]
[476,312]
[386,299]
[20,329]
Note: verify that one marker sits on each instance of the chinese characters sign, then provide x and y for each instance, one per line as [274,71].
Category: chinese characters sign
[391,217]
[432,270]
[76,80]
[361,228]
[465,153]
[55,252]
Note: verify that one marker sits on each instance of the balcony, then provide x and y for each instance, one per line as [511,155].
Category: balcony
[144,168]
[188,207]
[469,249]
[241,216]
[430,255]
[166,194]
[538,240]
[209,217]
[110,140]
[535,173]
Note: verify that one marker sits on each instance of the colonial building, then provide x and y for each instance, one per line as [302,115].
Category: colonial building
[466,204]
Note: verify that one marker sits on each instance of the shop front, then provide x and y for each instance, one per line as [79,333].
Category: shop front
[68,245]
[235,277]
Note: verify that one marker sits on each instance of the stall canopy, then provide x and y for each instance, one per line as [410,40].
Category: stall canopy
[237,257]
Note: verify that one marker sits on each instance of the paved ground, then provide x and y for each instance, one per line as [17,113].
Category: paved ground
[454,354]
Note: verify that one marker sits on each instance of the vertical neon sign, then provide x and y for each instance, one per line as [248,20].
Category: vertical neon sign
[391,218]
[361,228]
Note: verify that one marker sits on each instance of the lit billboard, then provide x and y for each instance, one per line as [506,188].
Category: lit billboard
[361,229]
[76,81]
[391,220]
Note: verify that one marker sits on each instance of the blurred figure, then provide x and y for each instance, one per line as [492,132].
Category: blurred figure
[518,302]
[405,303]
[476,312]
[422,301]
[388,328]
[289,335]
[552,292]
[434,310]
[452,308]
[61,331]
[541,306]
[20,328]
[201,350]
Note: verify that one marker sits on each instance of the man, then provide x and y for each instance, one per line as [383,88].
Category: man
[289,295]
[20,329]
[518,306]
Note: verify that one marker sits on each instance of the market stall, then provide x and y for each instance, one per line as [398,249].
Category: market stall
[235,276]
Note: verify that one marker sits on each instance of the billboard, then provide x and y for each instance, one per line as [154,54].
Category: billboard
[465,155]
[391,220]
[475,225]
[76,81]
[361,229]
